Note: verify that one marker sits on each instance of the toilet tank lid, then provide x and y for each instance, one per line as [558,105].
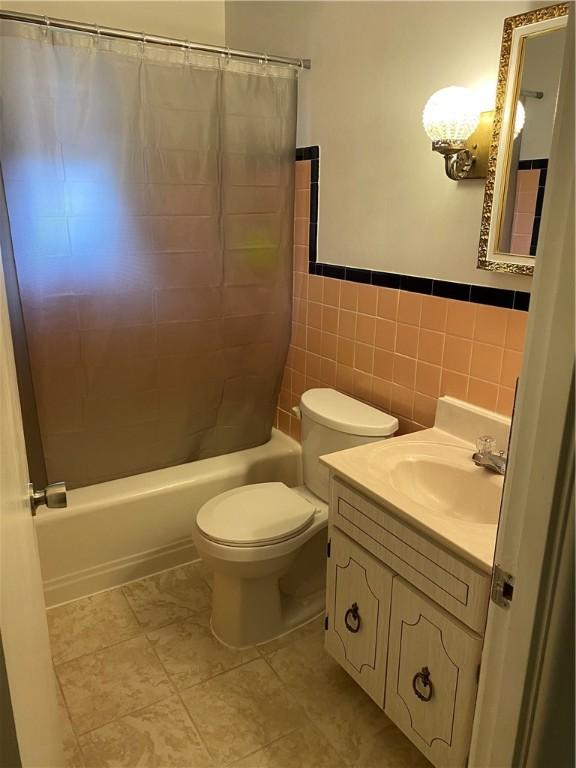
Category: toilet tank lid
[345,414]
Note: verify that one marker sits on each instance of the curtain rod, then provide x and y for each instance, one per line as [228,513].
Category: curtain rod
[78,26]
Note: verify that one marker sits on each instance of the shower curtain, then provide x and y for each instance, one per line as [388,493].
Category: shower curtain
[150,199]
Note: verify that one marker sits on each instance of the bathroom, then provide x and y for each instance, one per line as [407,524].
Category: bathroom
[230,247]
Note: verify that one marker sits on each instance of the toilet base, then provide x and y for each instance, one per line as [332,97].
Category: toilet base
[249,612]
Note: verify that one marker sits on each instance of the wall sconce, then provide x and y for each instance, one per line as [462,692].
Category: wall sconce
[459,131]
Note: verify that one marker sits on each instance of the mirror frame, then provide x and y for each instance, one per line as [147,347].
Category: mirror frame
[516,31]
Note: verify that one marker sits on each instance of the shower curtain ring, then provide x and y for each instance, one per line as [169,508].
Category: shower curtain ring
[46,26]
[96,34]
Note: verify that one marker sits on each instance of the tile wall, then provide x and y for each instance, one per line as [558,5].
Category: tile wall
[395,349]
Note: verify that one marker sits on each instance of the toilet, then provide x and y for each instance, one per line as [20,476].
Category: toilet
[265,543]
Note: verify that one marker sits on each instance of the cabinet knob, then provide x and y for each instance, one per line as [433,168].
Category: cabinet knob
[352,619]
[421,680]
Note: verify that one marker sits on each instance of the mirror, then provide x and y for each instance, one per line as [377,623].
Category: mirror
[528,79]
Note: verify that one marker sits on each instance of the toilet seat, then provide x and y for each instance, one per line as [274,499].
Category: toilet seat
[255,515]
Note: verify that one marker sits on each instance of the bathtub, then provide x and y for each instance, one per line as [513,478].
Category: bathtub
[125,529]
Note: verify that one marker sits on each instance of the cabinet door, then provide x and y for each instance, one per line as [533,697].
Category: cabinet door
[358,596]
[431,681]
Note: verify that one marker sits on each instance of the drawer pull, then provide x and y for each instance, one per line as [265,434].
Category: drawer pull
[352,619]
[423,678]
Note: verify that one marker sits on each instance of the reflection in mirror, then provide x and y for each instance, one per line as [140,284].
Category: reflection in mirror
[524,193]
[531,59]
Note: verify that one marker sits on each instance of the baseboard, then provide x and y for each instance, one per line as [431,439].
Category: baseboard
[117,572]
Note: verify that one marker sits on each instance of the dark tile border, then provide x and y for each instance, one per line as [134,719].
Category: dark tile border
[479,294]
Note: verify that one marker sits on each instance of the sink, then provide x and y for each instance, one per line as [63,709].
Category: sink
[444,480]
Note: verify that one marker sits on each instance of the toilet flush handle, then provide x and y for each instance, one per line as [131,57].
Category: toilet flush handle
[296,411]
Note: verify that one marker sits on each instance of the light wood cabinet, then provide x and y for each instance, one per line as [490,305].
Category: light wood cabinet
[358,597]
[401,612]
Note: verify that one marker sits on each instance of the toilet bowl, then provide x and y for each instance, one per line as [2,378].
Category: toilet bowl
[258,536]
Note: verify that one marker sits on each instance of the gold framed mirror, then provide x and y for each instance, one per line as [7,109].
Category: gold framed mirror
[526,93]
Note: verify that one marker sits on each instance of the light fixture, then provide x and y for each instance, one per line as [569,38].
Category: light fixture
[450,117]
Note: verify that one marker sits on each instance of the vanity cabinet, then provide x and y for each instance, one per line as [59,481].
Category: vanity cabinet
[405,618]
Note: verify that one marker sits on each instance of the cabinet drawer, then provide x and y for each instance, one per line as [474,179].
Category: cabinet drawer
[358,596]
[431,682]
[452,583]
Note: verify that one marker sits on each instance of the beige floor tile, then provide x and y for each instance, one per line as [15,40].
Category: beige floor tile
[304,748]
[242,710]
[349,719]
[191,654]
[169,596]
[110,683]
[316,626]
[90,624]
[389,748]
[160,736]
[72,754]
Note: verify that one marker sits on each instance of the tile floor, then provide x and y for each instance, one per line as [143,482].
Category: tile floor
[142,682]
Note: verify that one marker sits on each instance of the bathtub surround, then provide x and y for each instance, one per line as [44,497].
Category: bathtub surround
[143,681]
[153,240]
[398,348]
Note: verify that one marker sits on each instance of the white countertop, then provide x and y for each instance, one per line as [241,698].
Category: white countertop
[362,467]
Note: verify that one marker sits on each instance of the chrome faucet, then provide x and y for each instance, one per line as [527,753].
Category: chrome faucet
[487,457]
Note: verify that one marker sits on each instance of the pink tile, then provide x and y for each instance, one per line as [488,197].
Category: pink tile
[401,400]
[329,346]
[302,174]
[522,224]
[300,258]
[431,346]
[526,202]
[314,340]
[299,335]
[409,308]
[407,340]
[345,351]
[381,393]
[314,314]
[301,228]
[454,384]
[520,244]
[434,312]
[460,318]
[505,402]
[302,204]
[404,371]
[482,393]
[383,364]
[490,325]
[367,299]
[364,358]
[486,362]
[349,296]
[527,180]
[344,378]
[347,324]
[424,410]
[284,422]
[516,330]
[298,384]
[329,319]
[362,385]
[428,379]
[365,329]
[331,293]
[385,334]
[511,364]
[301,285]
[388,303]
[300,310]
[299,361]
[328,373]
[315,288]
[457,354]
[313,366]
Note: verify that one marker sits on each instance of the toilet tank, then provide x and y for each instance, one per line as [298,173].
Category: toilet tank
[332,422]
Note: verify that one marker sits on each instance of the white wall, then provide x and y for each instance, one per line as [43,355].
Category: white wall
[541,72]
[385,202]
[202,22]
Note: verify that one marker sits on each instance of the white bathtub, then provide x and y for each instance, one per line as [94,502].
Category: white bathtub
[122,530]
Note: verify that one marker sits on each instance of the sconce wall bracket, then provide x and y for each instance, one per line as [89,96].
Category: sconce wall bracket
[468,159]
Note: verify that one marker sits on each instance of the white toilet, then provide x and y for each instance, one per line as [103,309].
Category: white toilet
[252,536]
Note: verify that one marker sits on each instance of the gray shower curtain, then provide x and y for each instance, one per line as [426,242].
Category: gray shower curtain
[150,199]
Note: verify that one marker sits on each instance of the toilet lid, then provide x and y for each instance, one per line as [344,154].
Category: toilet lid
[253,515]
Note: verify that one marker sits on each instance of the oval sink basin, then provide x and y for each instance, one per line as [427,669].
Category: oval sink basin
[445,480]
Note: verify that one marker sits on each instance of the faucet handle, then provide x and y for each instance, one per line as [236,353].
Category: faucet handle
[486,445]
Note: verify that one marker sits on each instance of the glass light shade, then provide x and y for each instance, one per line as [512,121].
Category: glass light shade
[519,119]
[451,114]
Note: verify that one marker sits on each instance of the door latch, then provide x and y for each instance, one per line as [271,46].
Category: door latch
[53,496]
[502,590]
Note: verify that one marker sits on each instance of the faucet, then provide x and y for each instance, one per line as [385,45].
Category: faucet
[486,456]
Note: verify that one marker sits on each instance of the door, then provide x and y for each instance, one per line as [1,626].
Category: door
[358,594]
[23,626]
